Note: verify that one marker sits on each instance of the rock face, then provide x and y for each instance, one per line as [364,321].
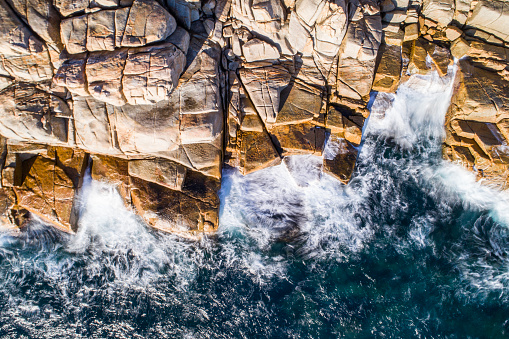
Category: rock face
[155,96]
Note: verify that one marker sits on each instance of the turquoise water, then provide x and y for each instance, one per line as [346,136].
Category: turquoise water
[412,247]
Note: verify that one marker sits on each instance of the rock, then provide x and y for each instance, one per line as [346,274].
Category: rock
[396,16]
[104,30]
[411,32]
[160,171]
[264,86]
[356,65]
[148,22]
[104,74]
[94,124]
[304,138]
[452,33]
[183,214]
[48,187]
[256,151]
[388,72]
[441,58]
[440,11]
[27,114]
[476,124]
[74,34]
[41,16]
[69,7]
[339,158]
[491,17]
[152,73]
[459,48]
[257,50]
[112,170]
[101,34]
[24,56]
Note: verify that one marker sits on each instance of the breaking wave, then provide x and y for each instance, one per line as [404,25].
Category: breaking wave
[413,246]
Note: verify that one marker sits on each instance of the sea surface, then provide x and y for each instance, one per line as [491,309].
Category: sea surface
[412,247]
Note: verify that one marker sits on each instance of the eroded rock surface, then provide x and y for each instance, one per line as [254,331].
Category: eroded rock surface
[155,96]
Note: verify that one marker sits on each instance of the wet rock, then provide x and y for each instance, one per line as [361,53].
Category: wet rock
[339,158]
[388,71]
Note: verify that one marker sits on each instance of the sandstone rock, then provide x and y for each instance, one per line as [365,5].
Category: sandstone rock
[151,73]
[148,22]
[304,138]
[68,7]
[257,50]
[101,30]
[492,17]
[459,48]
[453,33]
[41,16]
[114,171]
[173,211]
[300,103]
[147,129]
[411,32]
[104,74]
[27,114]
[256,151]
[48,183]
[160,171]
[339,158]
[441,11]
[358,53]
[388,71]
[441,58]
[71,75]
[23,55]
[74,34]
[264,86]
[94,126]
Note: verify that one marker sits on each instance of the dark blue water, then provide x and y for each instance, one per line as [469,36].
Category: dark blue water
[412,247]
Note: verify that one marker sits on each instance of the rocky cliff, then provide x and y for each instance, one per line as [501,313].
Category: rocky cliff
[157,96]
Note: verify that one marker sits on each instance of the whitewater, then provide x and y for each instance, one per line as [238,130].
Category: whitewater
[413,246]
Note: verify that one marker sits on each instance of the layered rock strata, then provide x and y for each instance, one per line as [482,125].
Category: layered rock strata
[155,96]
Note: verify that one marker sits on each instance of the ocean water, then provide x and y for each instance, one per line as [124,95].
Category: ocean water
[412,247]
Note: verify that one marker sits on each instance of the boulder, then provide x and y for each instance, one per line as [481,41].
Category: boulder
[491,17]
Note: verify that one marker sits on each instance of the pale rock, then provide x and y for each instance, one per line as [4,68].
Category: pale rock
[151,73]
[69,7]
[491,17]
[452,33]
[395,39]
[462,11]
[74,34]
[26,115]
[94,125]
[121,16]
[148,22]
[147,129]
[23,55]
[101,31]
[71,75]
[104,75]
[258,50]
[264,86]
[411,32]
[41,16]
[441,11]
[396,16]
[5,82]
[356,66]
[460,48]
[160,171]
[412,16]
[309,10]
[330,28]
